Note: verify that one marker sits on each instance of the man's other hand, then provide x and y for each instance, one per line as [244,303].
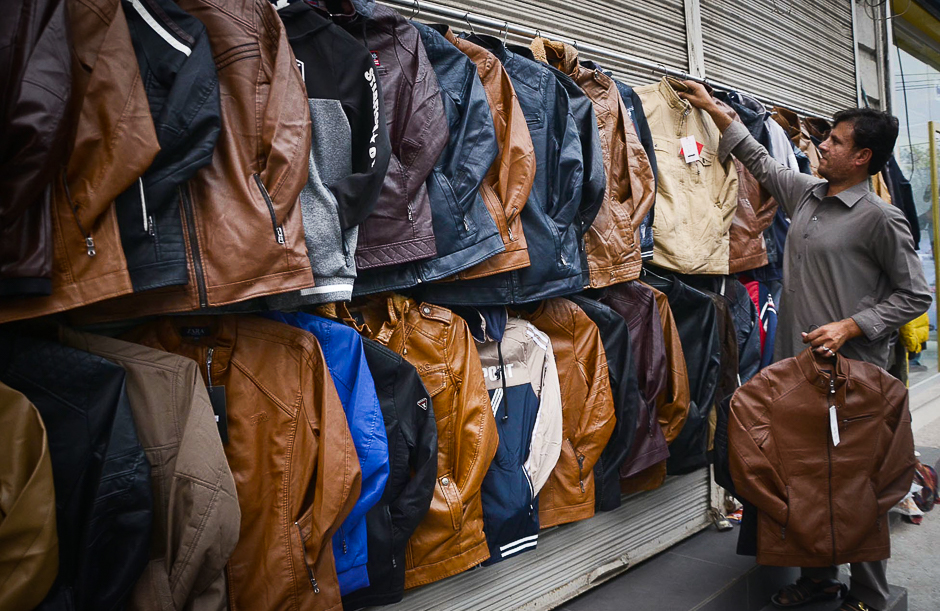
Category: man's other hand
[828,339]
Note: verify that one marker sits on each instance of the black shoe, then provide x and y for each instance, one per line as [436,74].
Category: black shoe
[806,591]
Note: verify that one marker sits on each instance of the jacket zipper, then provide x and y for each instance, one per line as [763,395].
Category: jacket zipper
[194,247]
[278,230]
[342,536]
[581,471]
[209,367]
[313,578]
[89,240]
[148,220]
[832,524]
[388,514]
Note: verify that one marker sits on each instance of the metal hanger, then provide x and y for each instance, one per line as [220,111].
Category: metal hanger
[466,17]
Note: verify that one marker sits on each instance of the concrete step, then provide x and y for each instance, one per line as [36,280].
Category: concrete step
[896,602]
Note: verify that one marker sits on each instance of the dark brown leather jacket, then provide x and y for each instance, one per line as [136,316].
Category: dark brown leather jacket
[672,405]
[241,215]
[613,240]
[114,144]
[506,186]
[399,230]
[587,406]
[289,449]
[819,503]
[35,132]
[438,343]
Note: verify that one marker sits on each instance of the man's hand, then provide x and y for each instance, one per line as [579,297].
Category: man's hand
[828,339]
[699,97]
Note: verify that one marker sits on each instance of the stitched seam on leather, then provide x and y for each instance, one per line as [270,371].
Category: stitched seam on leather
[202,525]
[280,404]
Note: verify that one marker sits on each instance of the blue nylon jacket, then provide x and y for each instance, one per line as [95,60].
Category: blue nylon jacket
[345,357]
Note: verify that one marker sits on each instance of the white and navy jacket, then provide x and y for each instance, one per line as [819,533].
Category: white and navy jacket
[522,381]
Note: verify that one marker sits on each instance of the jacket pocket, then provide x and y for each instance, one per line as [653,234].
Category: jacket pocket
[278,229]
[452,497]
[459,217]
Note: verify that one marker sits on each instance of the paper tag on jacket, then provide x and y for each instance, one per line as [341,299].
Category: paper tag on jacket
[834,425]
[690,149]
[217,398]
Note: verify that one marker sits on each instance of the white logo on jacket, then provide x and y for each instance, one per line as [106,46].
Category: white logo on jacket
[370,78]
[493,372]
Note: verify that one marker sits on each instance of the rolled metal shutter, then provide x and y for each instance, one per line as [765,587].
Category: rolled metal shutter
[650,29]
[797,53]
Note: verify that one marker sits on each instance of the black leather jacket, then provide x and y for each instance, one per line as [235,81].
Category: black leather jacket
[697,323]
[183,91]
[104,502]
[464,231]
[615,335]
[412,452]
[550,217]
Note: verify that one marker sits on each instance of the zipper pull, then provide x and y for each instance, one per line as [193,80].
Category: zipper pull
[342,536]
[411,217]
[832,386]
[279,234]
[783,532]
[310,575]
[512,238]
[150,228]
[90,246]
[209,366]
[581,471]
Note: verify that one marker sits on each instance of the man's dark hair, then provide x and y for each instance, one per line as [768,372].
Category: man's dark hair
[871,129]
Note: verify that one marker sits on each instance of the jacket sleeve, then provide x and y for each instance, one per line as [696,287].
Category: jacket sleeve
[597,416]
[420,429]
[595,179]
[424,134]
[357,193]
[285,124]
[470,151]
[517,162]
[369,425]
[893,248]
[473,413]
[895,466]
[754,473]
[644,133]
[641,176]
[338,478]
[567,179]
[545,447]
[672,405]
[787,186]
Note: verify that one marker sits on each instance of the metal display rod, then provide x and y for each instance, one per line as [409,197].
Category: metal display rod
[419,6]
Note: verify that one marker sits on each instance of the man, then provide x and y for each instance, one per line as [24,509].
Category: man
[851,276]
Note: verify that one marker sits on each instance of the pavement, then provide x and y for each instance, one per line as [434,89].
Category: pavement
[703,573]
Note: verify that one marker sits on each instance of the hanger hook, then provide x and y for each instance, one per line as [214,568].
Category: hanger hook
[505,31]
[416,10]
[466,17]
[538,33]
[576,46]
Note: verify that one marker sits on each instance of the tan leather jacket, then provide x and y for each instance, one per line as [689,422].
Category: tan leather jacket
[29,543]
[821,503]
[195,526]
[438,343]
[695,202]
[241,213]
[506,186]
[798,133]
[587,408]
[290,451]
[672,405]
[613,240]
[114,144]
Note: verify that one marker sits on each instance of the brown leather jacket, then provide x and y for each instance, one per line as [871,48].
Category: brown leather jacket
[29,541]
[35,132]
[506,186]
[613,240]
[290,451]
[672,405]
[798,133]
[587,407]
[114,144]
[195,526]
[438,343]
[755,213]
[819,503]
[242,219]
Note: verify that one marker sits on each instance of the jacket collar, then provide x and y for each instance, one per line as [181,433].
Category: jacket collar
[558,54]
[492,44]
[849,197]
[187,335]
[672,98]
[817,370]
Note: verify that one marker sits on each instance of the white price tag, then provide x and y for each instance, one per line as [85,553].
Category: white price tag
[834,425]
[689,149]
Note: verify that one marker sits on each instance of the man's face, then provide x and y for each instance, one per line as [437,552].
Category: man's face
[838,156]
